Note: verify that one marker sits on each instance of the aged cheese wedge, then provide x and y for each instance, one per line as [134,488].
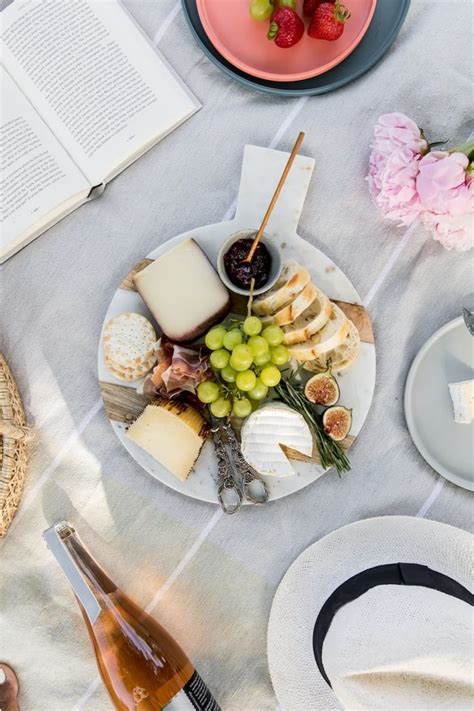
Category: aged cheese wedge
[266,430]
[311,320]
[183,292]
[331,336]
[462,395]
[293,309]
[292,280]
[173,433]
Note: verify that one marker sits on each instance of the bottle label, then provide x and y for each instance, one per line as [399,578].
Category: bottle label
[195,696]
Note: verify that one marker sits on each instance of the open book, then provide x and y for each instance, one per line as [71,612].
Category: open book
[83,94]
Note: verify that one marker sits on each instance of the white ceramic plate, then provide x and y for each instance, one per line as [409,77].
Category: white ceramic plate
[447,357]
[260,173]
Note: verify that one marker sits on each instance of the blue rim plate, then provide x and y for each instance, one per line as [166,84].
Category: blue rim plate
[386,23]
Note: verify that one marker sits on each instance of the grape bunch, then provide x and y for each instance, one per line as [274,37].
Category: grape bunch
[245,359]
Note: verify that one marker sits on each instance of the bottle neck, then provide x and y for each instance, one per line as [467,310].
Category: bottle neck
[89,582]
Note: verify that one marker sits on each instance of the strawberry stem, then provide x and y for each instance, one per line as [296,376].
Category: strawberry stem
[341,13]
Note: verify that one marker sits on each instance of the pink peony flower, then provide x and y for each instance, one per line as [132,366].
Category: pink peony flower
[453,231]
[398,197]
[393,167]
[396,130]
[392,132]
[442,183]
[446,194]
[407,182]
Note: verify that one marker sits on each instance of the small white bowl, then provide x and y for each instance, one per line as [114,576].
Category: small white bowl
[276,262]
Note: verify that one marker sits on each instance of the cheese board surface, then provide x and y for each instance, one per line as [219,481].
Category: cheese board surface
[260,171]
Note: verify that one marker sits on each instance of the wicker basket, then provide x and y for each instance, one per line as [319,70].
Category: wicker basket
[14,435]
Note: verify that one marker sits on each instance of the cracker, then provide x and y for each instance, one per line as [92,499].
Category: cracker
[129,341]
[130,373]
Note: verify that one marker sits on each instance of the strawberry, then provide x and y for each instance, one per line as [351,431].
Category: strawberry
[286,28]
[328,21]
[309,6]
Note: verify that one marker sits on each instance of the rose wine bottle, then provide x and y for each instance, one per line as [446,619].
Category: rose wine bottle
[143,668]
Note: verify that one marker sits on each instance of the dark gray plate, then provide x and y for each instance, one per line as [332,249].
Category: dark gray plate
[386,23]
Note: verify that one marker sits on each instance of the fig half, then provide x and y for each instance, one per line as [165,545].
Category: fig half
[322,389]
[337,422]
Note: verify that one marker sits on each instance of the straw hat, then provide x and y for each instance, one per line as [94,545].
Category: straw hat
[376,615]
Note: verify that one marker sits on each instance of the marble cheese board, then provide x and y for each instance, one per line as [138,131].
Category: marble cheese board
[261,170]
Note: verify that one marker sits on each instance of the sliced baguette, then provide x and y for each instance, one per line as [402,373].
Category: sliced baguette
[339,358]
[327,339]
[290,312]
[291,282]
[312,320]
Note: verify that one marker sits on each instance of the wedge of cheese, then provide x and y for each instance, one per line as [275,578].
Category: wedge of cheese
[264,433]
[173,433]
[462,395]
[183,292]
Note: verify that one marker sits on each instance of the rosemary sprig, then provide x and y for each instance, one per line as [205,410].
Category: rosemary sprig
[330,452]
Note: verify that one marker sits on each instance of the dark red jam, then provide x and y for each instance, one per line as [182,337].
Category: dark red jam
[240,272]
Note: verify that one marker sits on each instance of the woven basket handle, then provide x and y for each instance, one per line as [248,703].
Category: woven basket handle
[12,431]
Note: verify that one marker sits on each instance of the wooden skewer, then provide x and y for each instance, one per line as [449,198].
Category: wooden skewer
[275,197]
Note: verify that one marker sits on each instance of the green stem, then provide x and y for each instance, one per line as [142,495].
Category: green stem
[466,148]
[250,299]
[436,143]
[273,30]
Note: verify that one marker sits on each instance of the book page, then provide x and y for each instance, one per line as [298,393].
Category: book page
[36,173]
[95,79]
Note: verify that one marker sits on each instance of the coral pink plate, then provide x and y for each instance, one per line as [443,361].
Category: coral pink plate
[243,41]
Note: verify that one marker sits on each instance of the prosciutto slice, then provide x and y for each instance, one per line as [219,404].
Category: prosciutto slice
[178,370]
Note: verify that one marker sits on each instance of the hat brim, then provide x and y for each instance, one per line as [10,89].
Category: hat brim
[328,563]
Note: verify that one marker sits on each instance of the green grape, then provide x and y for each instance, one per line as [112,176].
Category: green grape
[258,345]
[252,326]
[232,338]
[274,335]
[259,391]
[242,408]
[228,374]
[270,376]
[263,359]
[241,358]
[246,380]
[215,338]
[220,358]
[221,407]
[207,391]
[287,3]
[261,9]
[279,355]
